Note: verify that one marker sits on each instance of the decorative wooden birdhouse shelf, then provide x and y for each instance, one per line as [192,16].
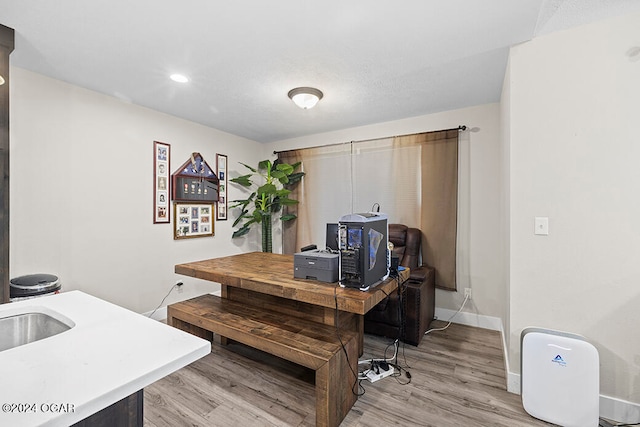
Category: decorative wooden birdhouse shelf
[195,182]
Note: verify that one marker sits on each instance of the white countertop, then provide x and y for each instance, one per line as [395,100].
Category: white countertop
[109,354]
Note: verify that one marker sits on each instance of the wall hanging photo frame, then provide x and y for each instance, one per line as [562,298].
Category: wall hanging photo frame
[161,182]
[193,220]
[221,164]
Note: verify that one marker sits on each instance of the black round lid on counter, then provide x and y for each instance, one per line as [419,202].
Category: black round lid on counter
[34,284]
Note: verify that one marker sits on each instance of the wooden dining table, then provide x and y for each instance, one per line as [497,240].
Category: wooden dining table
[266,280]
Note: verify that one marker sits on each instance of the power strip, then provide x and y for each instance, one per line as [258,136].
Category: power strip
[373,377]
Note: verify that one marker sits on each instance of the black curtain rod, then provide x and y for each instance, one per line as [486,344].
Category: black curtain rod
[460,128]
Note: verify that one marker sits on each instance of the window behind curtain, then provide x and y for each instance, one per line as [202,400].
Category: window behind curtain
[352,177]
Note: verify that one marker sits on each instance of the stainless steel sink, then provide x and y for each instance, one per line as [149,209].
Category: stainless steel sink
[25,328]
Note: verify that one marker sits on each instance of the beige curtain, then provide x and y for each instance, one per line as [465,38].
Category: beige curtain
[412,177]
[320,201]
[439,213]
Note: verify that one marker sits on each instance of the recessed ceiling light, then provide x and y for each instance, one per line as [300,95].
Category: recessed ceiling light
[179,78]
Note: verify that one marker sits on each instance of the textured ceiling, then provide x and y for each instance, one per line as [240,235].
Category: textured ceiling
[374,60]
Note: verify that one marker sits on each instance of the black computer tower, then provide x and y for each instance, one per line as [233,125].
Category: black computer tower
[364,261]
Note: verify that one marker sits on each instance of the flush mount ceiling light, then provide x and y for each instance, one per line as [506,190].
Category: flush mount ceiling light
[179,78]
[305,97]
[1,80]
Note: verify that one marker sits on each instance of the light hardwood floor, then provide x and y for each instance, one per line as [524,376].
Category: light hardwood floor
[457,379]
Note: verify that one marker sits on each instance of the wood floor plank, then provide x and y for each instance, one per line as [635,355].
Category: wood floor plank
[457,379]
[242,415]
[256,383]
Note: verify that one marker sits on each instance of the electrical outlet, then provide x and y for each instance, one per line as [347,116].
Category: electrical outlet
[467,293]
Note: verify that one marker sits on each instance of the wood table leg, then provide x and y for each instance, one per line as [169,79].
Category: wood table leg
[335,382]
[220,340]
[224,293]
[360,329]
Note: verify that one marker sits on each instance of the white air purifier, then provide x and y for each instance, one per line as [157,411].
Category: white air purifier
[560,381]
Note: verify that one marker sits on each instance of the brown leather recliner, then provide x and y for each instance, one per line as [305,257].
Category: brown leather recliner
[410,320]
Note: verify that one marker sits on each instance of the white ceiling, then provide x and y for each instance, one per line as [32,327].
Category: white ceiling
[374,60]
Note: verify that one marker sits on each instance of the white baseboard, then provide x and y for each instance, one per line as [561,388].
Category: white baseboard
[469,319]
[513,382]
[619,410]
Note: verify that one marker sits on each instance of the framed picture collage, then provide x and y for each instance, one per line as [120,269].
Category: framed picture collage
[193,215]
[193,220]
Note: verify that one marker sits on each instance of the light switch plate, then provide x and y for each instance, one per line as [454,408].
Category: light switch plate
[541,225]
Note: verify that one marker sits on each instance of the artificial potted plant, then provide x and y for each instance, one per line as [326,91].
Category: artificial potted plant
[271,193]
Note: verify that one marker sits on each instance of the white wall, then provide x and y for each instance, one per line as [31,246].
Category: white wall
[82,192]
[575,158]
[480,242]
[505,215]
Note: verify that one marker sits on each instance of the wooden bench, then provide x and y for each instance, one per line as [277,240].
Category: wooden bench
[307,343]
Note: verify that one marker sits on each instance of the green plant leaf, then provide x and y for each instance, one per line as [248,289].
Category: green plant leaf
[241,231]
[249,200]
[278,174]
[250,221]
[285,168]
[288,217]
[248,167]
[295,177]
[264,165]
[242,202]
[267,189]
[284,180]
[244,180]
[283,192]
[242,216]
[287,202]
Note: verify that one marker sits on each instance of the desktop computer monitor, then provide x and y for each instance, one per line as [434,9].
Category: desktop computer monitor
[332,236]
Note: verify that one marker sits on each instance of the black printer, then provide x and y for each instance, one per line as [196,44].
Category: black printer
[317,264]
